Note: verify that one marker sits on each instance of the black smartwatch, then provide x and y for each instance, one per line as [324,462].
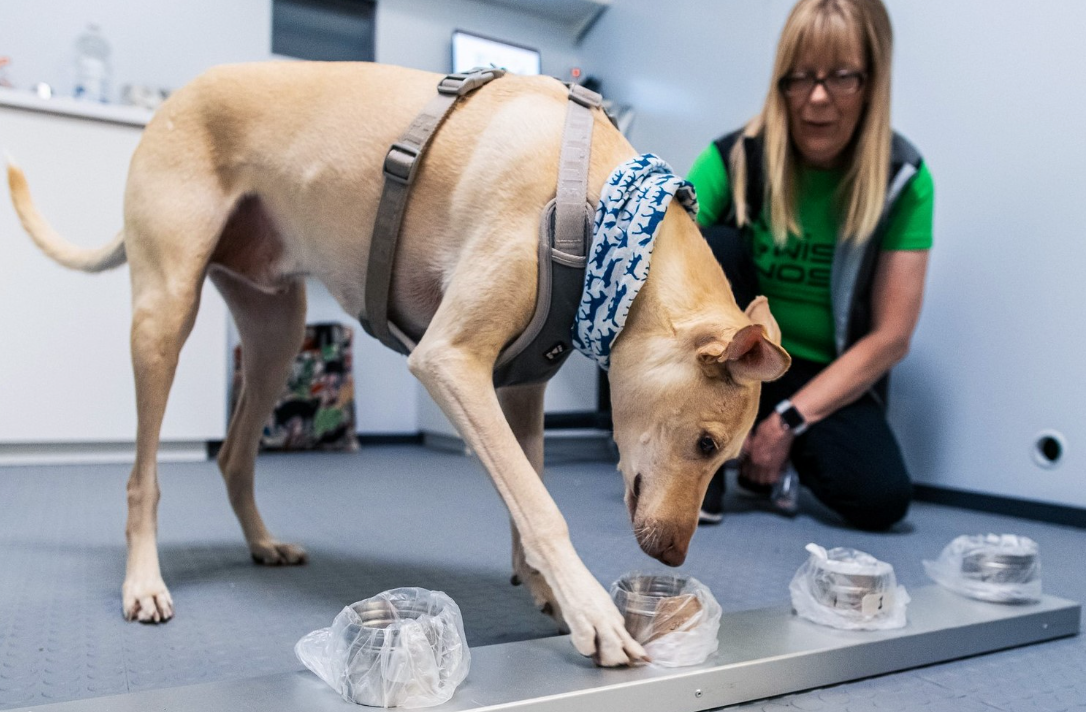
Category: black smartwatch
[791,418]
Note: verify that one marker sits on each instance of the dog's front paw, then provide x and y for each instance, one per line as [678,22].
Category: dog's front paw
[147,600]
[597,629]
[274,553]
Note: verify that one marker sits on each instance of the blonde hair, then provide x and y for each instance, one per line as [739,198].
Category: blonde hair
[834,24]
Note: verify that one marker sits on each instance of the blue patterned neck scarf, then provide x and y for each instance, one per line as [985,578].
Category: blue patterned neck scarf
[631,209]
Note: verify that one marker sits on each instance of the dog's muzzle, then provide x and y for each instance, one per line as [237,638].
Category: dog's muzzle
[663,541]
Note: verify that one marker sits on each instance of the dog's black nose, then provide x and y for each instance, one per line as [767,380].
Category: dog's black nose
[667,543]
[672,556]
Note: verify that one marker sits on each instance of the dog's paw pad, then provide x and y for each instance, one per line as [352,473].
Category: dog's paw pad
[147,604]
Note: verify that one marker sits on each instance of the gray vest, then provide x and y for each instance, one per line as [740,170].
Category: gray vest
[853,271]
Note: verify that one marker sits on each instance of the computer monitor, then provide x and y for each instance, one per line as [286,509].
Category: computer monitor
[471,50]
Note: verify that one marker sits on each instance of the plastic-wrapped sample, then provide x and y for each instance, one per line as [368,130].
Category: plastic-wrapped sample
[401,648]
[675,618]
[848,589]
[1003,568]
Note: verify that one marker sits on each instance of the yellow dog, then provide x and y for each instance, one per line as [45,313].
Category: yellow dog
[259,175]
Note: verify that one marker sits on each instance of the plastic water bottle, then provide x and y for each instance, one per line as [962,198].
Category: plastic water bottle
[92,65]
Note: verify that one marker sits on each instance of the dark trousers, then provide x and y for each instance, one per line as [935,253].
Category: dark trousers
[851,461]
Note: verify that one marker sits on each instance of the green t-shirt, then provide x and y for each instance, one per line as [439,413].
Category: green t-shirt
[796,278]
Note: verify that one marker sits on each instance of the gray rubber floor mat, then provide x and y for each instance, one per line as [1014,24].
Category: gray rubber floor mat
[405,516]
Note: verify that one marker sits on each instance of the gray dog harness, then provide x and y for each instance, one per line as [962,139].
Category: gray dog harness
[565,234]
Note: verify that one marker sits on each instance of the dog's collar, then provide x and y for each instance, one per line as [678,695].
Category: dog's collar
[631,209]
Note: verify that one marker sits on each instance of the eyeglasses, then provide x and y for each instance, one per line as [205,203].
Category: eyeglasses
[841,83]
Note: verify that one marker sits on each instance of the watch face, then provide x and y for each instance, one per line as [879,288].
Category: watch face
[791,418]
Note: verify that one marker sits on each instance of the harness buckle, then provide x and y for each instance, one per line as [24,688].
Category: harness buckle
[400,163]
[585,97]
[467,82]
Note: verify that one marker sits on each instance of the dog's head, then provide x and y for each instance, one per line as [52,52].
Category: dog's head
[683,400]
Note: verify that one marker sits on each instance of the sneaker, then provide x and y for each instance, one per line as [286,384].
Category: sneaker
[705,517]
[785,494]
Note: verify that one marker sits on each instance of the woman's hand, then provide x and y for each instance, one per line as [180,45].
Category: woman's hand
[766,451]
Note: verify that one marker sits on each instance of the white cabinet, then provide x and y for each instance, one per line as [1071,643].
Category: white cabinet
[66,388]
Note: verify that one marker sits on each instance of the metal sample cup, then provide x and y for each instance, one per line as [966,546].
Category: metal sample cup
[674,617]
[867,593]
[379,636]
[998,568]
[1001,568]
[992,566]
[654,605]
[848,589]
[401,648]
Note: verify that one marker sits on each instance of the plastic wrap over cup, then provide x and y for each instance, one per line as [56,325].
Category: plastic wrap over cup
[1000,568]
[675,618]
[848,589]
[401,648]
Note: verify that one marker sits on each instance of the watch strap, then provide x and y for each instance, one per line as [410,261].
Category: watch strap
[791,418]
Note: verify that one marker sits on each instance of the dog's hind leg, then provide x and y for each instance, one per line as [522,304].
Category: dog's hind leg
[523,408]
[165,299]
[271,327]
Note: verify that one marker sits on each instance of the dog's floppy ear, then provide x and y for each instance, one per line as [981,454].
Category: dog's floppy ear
[749,356]
[753,354]
[764,360]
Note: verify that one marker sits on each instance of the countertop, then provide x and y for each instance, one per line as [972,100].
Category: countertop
[66,106]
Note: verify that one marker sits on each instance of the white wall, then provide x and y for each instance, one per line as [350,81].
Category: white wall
[417,33]
[990,91]
[692,69]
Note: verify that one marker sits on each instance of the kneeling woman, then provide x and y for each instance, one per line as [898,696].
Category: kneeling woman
[820,206]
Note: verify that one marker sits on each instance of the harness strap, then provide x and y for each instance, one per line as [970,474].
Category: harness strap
[401,164]
[565,238]
[573,170]
[565,234]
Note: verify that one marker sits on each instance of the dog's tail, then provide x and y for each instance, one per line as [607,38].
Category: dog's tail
[45,237]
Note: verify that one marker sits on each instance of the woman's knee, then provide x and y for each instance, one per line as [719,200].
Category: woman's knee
[869,493]
[857,469]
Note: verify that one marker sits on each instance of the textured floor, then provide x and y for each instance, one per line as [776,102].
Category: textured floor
[403,516]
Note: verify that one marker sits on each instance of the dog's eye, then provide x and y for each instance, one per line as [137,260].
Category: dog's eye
[706,445]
